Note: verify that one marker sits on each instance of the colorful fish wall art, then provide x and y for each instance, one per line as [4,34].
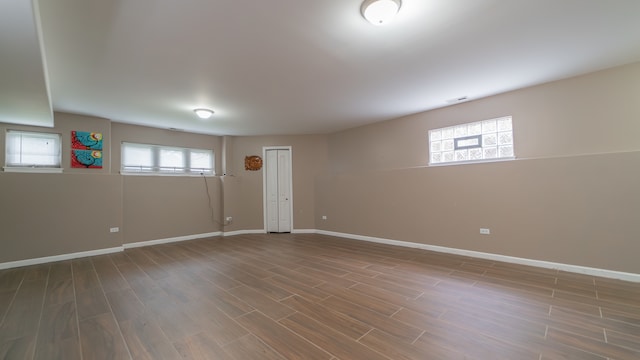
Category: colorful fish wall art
[90,159]
[86,150]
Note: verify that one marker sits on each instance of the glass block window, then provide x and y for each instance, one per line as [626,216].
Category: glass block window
[485,140]
[145,158]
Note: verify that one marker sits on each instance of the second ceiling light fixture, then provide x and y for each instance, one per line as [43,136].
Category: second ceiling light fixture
[380,12]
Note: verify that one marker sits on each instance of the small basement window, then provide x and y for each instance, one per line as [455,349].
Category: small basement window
[28,151]
[165,160]
[487,140]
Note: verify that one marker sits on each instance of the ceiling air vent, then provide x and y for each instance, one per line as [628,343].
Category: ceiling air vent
[458,100]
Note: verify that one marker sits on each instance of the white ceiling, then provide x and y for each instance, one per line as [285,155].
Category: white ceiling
[292,66]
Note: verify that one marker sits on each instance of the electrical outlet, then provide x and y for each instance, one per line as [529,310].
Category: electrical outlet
[114,229]
[324,217]
[228,219]
[484,231]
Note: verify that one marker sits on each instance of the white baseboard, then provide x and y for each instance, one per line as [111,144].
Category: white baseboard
[304,231]
[243,232]
[48,259]
[611,274]
[477,254]
[170,240]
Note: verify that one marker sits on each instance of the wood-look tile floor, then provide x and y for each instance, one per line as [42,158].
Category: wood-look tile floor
[283,296]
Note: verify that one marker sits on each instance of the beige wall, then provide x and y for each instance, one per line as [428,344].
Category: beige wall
[162,207]
[590,114]
[571,197]
[243,189]
[146,135]
[52,214]
[64,124]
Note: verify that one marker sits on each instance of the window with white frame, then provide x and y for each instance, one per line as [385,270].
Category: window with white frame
[158,159]
[32,151]
[486,140]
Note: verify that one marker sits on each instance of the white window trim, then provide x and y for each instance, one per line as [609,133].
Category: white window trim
[156,173]
[155,168]
[36,170]
[483,161]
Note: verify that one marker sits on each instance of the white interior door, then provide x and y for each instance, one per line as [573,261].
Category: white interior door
[278,190]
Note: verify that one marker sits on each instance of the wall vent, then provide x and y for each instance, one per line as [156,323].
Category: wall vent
[458,100]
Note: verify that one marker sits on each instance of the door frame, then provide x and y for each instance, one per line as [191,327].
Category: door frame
[264,183]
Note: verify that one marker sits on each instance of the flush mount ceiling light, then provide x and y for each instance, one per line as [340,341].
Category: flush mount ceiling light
[203,113]
[380,12]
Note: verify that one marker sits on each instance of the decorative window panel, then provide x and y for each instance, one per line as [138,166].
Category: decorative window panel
[486,140]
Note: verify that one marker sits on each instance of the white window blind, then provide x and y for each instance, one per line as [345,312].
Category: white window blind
[200,160]
[32,150]
[172,160]
[146,158]
[137,157]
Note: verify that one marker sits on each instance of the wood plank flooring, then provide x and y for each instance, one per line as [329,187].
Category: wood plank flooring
[284,296]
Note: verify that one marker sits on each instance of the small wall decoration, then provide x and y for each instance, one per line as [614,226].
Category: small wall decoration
[86,150]
[83,140]
[252,163]
[90,159]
